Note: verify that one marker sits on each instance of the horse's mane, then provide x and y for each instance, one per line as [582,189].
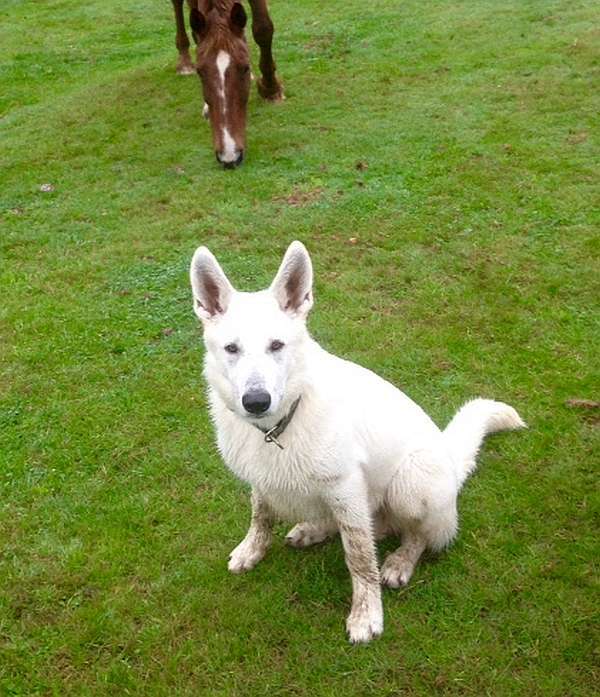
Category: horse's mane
[221,6]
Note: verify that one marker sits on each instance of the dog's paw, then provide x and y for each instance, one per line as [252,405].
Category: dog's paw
[365,624]
[307,534]
[396,571]
[245,557]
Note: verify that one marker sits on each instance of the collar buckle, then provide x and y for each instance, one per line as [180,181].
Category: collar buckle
[271,437]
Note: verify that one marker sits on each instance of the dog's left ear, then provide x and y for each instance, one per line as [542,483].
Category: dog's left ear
[292,286]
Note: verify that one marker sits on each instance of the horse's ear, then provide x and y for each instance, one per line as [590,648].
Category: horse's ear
[210,286]
[292,286]
[197,21]
[238,17]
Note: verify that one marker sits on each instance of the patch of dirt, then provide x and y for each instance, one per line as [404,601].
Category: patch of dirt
[576,138]
[577,403]
[588,410]
[300,198]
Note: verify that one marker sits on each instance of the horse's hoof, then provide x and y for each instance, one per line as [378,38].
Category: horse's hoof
[185,70]
[185,66]
[273,93]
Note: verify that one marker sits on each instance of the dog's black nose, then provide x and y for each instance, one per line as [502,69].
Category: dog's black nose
[256,401]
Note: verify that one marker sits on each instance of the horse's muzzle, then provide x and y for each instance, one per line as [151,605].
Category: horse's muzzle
[231,164]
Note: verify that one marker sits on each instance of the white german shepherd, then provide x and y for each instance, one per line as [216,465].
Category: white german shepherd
[325,443]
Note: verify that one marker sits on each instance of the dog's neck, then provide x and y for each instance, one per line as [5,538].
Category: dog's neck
[272,434]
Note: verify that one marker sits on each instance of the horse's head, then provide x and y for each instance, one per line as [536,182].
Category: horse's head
[223,64]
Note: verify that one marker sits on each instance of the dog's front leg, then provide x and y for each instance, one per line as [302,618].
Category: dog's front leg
[349,504]
[258,538]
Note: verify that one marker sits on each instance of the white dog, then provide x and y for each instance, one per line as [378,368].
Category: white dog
[325,443]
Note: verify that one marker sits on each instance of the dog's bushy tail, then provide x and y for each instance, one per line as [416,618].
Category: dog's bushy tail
[471,424]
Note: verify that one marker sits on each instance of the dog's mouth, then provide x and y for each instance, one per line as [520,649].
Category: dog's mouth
[262,421]
[259,417]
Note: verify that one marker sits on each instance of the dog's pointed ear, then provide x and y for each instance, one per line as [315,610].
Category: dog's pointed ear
[292,286]
[210,287]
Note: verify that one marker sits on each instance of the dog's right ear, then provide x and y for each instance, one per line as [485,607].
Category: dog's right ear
[292,286]
[210,286]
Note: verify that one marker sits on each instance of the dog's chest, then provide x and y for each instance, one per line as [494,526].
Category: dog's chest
[291,480]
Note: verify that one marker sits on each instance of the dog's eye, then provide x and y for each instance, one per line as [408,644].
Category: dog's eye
[276,345]
[232,348]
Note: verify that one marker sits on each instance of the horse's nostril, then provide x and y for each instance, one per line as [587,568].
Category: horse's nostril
[256,401]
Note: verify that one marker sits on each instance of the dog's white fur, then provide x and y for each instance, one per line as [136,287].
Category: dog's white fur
[359,457]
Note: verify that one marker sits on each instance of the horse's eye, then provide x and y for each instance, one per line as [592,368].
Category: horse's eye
[245,69]
[276,345]
[232,348]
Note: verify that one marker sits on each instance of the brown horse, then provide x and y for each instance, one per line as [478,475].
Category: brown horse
[223,64]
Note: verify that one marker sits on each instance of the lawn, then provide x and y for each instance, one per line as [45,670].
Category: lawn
[440,162]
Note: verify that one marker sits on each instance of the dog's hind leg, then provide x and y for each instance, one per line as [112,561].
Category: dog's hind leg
[423,509]
[435,531]
[399,565]
[258,538]
[382,525]
[307,534]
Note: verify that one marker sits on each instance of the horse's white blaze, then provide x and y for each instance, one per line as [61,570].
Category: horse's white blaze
[223,61]
[230,152]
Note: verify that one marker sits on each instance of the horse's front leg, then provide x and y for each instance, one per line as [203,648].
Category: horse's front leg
[269,86]
[184,65]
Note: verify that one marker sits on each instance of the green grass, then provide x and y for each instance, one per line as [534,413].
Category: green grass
[474,272]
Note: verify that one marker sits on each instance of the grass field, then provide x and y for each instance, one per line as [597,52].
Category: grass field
[440,161]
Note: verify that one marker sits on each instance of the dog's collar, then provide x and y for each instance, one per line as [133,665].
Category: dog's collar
[272,434]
